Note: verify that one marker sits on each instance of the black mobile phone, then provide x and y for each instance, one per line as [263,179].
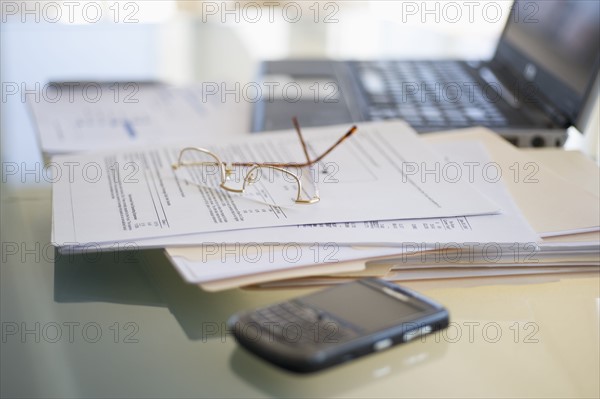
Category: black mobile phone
[337,324]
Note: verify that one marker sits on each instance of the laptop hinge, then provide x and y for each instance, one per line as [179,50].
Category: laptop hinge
[524,98]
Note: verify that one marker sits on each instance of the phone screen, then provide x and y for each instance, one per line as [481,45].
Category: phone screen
[366,307]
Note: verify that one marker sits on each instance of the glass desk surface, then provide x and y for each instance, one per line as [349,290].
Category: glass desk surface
[126,325]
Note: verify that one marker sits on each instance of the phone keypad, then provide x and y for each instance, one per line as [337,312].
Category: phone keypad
[294,323]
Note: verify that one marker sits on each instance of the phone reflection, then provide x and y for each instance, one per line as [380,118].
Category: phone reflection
[357,373]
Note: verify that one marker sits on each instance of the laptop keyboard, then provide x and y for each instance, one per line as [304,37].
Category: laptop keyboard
[427,94]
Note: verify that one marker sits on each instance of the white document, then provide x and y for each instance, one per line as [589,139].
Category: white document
[134,194]
[219,262]
[554,204]
[213,262]
[90,116]
[439,274]
[507,227]
[221,257]
[435,274]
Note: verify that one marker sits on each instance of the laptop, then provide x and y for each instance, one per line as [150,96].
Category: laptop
[541,80]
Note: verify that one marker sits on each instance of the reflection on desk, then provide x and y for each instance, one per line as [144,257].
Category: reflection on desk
[144,278]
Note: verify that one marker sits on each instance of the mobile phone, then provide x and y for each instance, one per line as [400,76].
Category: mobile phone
[337,324]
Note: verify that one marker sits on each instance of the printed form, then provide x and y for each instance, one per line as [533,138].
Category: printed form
[135,194]
[223,258]
[508,227]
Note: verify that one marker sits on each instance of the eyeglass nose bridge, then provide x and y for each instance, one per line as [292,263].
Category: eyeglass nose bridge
[227,170]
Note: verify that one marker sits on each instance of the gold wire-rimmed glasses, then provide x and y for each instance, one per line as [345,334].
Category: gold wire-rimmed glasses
[224,170]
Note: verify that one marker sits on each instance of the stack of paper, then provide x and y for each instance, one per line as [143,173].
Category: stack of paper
[134,194]
[560,197]
[393,203]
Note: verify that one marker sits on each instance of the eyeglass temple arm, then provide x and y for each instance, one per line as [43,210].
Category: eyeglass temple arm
[350,132]
[309,162]
[302,142]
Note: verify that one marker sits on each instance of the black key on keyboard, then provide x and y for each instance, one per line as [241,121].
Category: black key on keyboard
[295,323]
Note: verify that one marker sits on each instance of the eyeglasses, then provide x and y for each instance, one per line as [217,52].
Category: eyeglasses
[212,168]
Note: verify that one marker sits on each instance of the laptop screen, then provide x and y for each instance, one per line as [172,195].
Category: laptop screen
[554,44]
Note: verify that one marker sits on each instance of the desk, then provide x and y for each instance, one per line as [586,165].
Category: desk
[125,325]
[77,326]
